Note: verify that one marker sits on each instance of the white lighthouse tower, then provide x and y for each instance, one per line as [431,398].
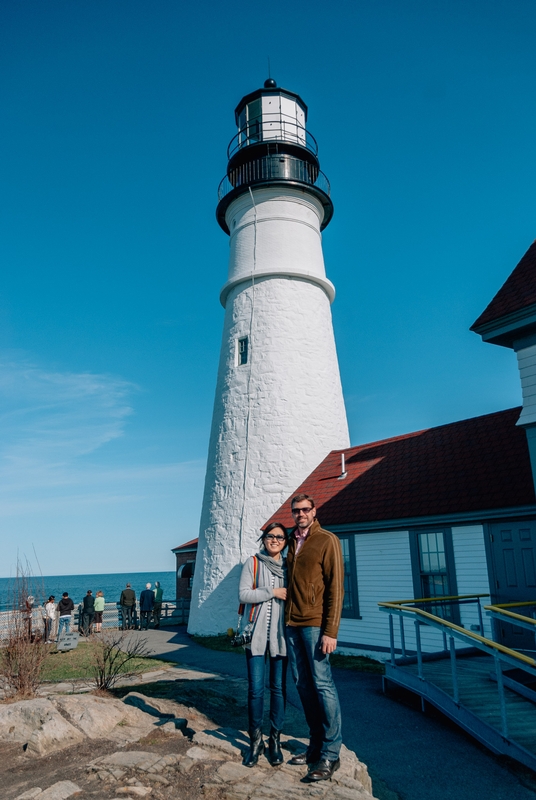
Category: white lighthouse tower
[279,407]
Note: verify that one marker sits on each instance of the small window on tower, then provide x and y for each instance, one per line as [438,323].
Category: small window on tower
[242,351]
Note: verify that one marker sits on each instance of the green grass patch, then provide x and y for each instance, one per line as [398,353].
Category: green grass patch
[357,663]
[77,664]
[221,642]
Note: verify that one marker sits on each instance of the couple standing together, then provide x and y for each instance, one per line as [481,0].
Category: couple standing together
[297,609]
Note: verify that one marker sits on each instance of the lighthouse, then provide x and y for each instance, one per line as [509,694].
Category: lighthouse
[279,407]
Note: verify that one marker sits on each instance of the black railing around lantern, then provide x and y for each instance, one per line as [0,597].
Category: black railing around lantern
[269,128]
[274,168]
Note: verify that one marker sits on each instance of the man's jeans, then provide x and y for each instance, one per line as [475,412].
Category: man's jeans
[65,622]
[278,690]
[311,671]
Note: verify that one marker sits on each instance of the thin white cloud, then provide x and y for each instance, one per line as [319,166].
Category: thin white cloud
[56,416]
[50,422]
[65,481]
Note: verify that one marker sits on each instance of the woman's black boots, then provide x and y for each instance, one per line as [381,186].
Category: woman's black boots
[275,756]
[256,748]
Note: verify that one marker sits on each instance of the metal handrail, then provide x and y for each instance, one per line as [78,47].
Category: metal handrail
[286,130]
[499,612]
[500,653]
[438,622]
[436,599]
[513,605]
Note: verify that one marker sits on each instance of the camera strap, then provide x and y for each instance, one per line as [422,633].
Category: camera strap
[255,607]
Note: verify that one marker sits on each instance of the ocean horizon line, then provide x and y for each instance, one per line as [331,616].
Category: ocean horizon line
[37,576]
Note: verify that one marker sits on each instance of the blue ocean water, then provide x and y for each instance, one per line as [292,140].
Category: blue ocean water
[111,584]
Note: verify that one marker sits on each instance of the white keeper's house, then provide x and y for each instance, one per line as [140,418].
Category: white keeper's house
[443,511]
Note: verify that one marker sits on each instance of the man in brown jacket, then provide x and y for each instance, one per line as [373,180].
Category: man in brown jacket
[312,614]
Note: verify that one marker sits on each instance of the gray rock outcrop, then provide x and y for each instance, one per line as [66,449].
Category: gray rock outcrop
[38,725]
[46,725]
[223,748]
[58,791]
[49,724]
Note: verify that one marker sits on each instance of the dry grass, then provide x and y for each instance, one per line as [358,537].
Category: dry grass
[79,664]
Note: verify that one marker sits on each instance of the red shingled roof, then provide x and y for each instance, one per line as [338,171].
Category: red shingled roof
[473,465]
[519,290]
[186,544]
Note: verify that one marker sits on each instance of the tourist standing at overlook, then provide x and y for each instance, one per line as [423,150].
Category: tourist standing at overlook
[88,612]
[157,607]
[65,610]
[99,608]
[146,606]
[127,601]
[50,619]
[262,588]
[313,613]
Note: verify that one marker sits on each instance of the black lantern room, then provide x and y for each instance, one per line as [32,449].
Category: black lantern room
[272,147]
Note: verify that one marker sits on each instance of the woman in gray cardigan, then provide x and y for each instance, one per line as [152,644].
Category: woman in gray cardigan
[267,601]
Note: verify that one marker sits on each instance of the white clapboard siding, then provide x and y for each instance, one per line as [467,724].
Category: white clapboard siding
[383,567]
[526,361]
[383,564]
[471,572]
[384,572]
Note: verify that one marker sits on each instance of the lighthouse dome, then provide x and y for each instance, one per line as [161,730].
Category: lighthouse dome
[270,114]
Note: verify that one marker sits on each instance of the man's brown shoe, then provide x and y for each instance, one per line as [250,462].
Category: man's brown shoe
[323,770]
[301,759]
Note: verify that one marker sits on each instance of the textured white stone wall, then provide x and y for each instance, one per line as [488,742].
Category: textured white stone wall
[526,361]
[276,417]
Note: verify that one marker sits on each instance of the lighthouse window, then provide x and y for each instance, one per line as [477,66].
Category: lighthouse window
[254,111]
[242,351]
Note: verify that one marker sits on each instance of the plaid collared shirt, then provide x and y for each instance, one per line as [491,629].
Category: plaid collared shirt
[300,536]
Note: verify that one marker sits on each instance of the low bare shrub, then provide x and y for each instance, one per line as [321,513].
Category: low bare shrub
[23,650]
[115,654]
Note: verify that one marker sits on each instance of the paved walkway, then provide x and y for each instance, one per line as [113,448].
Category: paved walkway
[410,755]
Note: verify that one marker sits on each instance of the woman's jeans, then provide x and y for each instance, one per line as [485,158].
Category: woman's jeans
[49,624]
[278,690]
[311,671]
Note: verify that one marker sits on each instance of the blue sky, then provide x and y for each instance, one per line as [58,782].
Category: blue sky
[115,121]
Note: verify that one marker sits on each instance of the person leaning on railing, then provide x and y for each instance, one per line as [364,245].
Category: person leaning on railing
[99,608]
[127,601]
[157,606]
[50,619]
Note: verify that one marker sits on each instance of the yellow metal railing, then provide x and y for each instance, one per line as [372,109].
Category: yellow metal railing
[440,622]
[500,653]
[500,611]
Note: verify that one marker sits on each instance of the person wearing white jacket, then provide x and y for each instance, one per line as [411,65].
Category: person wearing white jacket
[263,589]
[50,619]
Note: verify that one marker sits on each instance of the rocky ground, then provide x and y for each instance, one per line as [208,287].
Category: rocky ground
[173,738]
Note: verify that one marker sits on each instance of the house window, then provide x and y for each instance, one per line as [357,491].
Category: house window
[433,570]
[242,351]
[350,606]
